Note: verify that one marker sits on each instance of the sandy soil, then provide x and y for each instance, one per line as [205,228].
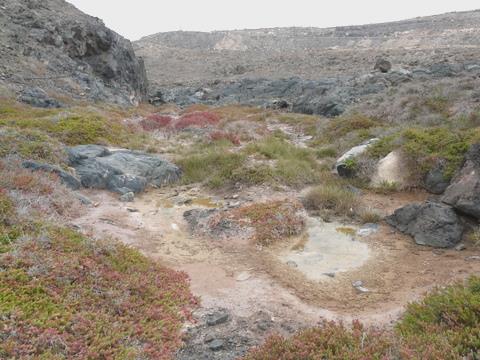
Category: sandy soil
[246,279]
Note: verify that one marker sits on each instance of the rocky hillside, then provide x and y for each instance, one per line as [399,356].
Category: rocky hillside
[50,48]
[313,70]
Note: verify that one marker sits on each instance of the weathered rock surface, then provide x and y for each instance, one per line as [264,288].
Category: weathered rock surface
[391,170]
[66,178]
[121,171]
[431,224]
[464,192]
[435,181]
[343,166]
[50,46]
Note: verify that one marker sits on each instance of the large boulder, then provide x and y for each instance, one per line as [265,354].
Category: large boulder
[431,224]
[391,170]
[122,170]
[464,192]
[345,164]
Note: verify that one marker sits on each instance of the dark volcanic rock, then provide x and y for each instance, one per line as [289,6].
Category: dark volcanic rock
[435,181]
[121,171]
[430,224]
[67,179]
[53,45]
[464,192]
[383,65]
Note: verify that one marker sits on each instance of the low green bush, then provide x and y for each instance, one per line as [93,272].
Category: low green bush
[331,197]
[444,325]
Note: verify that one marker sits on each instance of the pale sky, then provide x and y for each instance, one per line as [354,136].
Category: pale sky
[136,18]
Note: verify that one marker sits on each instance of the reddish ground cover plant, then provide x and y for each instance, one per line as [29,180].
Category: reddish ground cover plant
[63,296]
[272,221]
[197,119]
[330,341]
[156,122]
[221,135]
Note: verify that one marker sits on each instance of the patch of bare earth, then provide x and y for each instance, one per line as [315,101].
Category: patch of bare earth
[245,279]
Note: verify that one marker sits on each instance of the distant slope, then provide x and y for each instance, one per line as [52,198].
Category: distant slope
[311,53]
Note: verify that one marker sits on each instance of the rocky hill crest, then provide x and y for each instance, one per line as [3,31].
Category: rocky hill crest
[49,47]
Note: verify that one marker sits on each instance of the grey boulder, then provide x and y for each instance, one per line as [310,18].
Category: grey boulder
[120,171]
[67,179]
[464,192]
[431,224]
[343,166]
[435,181]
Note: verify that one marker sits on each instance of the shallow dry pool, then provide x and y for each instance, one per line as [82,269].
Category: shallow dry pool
[330,248]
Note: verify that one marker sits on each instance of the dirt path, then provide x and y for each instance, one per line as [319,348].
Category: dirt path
[259,293]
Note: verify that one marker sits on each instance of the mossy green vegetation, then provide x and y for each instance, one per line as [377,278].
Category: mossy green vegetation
[270,160]
[445,324]
[46,128]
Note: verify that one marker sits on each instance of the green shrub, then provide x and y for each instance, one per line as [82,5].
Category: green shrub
[326,152]
[216,166]
[445,324]
[344,125]
[425,145]
[293,165]
[333,198]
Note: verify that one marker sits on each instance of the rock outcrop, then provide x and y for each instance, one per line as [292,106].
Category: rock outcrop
[431,224]
[464,192]
[49,46]
[121,171]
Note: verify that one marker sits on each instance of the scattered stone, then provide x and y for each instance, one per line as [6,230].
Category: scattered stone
[216,345]
[128,197]
[460,247]
[292,264]
[83,199]
[464,192]
[217,318]
[244,276]
[234,204]
[67,179]
[430,224]
[208,338]
[345,165]
[358,285]
[473,258]
[383,65]
[175,227]
[367,230]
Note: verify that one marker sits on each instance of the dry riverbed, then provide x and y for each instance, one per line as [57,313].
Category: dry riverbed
[335,271]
